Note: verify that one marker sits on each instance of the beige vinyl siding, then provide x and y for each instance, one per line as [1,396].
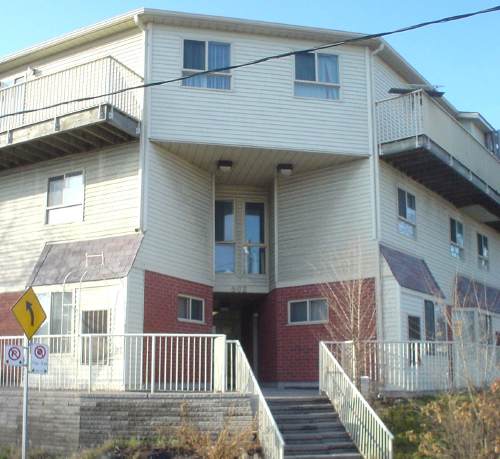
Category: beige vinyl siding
[384,79]
[260,109]
[178,239]
[111,206]
[391,314]
[433,235]
[134,318]
[325,225]
[240,282]
[127,47]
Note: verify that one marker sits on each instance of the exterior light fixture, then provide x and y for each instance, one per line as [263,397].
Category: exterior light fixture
[285,169]
[224,165]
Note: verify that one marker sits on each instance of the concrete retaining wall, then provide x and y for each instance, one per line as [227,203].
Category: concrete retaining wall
[62,422]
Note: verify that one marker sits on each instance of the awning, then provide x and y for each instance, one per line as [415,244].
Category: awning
[411,272]
[473,294]
[83,261]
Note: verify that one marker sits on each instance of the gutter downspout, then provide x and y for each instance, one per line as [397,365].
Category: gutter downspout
[143,144]
[375,169]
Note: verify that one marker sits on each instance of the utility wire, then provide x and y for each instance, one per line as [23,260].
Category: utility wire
[265,59]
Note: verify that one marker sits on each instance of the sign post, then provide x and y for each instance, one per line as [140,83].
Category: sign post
[30,315]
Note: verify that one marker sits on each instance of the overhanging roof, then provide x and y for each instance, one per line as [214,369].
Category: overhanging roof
[473,294]
[89,260]
[411,272]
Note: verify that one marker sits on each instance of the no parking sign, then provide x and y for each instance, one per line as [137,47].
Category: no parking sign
[14,355]
[39,359]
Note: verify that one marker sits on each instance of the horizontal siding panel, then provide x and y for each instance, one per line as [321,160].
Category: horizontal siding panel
[432,241]
[111,206]
[260,109]
[325,225]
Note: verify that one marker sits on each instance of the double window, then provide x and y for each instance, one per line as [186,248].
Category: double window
[407,213]
[308,311]
[65,198]
[483,254]
[251,243]
[456,238]
[190,309]
[202,56]
[317,75]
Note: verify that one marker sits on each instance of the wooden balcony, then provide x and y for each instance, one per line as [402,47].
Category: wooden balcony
[419,137]
[37,123]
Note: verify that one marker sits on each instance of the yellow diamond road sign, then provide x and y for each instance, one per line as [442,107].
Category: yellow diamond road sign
[29,313]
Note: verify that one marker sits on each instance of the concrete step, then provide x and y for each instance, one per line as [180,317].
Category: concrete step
[300,437]
[318,428]
[307,418]
[304,407]
[275,400]
[322,448]
[337,455]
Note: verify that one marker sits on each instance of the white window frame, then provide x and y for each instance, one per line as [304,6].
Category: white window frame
[461,248]
[254,244]
[405,220]
[194,71]
[231,242]
[483,260]
[63,206]
[190,298]
[308,303]
[321,83]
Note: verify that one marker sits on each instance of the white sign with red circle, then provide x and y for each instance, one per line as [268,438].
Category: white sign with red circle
[13,355]
[39,358]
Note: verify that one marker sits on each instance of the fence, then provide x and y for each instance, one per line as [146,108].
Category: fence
[418,366]
[366,429]
[98,77]
[241,379]
[133,362]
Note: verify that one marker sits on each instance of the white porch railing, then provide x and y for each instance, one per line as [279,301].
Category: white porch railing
[418,366]
[241,379]
[132,362]
[414,114]
[366,429]
[98,77]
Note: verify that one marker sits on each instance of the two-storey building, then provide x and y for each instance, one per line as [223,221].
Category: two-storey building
[235,201]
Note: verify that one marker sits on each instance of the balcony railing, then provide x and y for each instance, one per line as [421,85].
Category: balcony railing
[416,114]
[95,78]
[418,366]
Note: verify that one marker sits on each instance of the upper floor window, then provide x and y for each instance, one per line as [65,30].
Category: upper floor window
[206,55]
[456,238]
[65,198]
[407,213]
[191,309]
[224,237]
[483,254]
[308,311]
[317,75]
[255,248]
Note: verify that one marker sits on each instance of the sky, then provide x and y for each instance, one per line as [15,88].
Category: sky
[462,58]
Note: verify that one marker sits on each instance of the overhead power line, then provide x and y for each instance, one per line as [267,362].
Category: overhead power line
[265,59]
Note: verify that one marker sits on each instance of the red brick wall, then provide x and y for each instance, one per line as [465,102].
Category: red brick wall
[8,324]
[290,352]
[160,304]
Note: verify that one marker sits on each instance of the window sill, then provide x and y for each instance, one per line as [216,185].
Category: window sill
[210,90]
[319,99]
[315,322]
[190,321]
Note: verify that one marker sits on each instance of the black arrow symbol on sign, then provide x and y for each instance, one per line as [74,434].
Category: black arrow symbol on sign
[29,308]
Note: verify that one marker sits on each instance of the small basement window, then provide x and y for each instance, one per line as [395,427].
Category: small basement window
[317,75]
[201,56]
[190,309]
[308,311]
[65,199]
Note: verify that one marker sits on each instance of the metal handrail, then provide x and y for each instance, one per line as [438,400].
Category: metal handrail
[368,432]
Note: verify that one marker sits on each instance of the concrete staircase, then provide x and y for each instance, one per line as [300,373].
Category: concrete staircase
[311,428]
